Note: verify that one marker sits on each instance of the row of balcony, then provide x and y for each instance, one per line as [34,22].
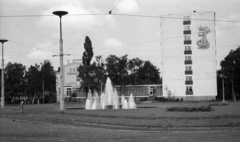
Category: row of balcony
[189,92]
[187,32]
[188,62]
[187,53]
[187,42]
[187,22]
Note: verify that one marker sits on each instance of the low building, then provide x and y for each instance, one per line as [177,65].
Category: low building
[72,84]
[149,91]
[71,80]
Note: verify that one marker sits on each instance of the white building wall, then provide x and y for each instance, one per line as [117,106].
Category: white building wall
[70,78]
[203,59]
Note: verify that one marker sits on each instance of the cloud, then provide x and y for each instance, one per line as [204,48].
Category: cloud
[112,42]
[127,6]
[38,54]
[48,2]
[71,21]
[228,28]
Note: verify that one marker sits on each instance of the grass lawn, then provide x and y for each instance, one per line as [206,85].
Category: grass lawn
[153,114]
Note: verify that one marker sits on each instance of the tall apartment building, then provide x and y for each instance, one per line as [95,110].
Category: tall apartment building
[188,56]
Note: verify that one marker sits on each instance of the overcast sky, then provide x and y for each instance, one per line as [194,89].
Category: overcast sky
[36,38]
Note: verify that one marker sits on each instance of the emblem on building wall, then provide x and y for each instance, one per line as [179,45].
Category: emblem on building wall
[203,43]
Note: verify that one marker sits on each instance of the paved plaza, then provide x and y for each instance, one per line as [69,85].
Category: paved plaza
[16,130]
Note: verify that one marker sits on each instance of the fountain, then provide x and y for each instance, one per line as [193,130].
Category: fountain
[109,99]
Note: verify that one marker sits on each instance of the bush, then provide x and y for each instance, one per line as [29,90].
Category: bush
[190,109]
[218,104]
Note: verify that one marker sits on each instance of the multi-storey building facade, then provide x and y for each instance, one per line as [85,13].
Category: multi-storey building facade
[188,55]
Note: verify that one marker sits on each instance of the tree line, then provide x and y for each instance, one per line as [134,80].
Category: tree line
[28,83]
[229,75]
[124,71]
[121,70]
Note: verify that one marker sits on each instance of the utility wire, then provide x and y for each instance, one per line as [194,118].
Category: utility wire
[121,46]
[29,16]
[116,14]
[95,24]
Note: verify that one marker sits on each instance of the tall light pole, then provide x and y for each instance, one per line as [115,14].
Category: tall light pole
[222,75]
[2,97]
[233,93]
[60,14]
[43,82]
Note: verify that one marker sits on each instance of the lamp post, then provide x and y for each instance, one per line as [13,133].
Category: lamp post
[222,75]
[233,93]
[60,14]
[2,97]
[43,82]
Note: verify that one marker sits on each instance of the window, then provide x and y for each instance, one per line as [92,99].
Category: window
[187,37]
[189,88]
[188,68]
[186,18]
[188,78]
[188,58]
[187,48]
[78,79]
[187,28]
[69,91]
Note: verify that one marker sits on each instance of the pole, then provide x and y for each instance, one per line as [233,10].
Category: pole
[60,14]
[43,89]
[61,70]
[223,90]
[43,82]
[3,95]
[2,75]
[233,93]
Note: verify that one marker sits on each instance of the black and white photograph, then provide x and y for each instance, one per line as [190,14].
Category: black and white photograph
[120,70]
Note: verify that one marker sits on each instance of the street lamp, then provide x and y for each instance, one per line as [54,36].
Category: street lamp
[2,97]
[60,14]
[233,93]
[222,76]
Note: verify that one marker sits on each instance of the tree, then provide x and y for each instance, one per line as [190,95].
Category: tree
[34,81]
[100,72]
[117,69]
[230,68]
[135,71]
[49,78]
[134,65]
[15,79]
[86,71]
[148,74]
[88,53]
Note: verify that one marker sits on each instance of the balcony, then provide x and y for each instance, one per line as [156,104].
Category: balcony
[187,42]
[189,62]
[188,72]
[186,22]
[187,32]
[188,82]
[188,52]
[189,92]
